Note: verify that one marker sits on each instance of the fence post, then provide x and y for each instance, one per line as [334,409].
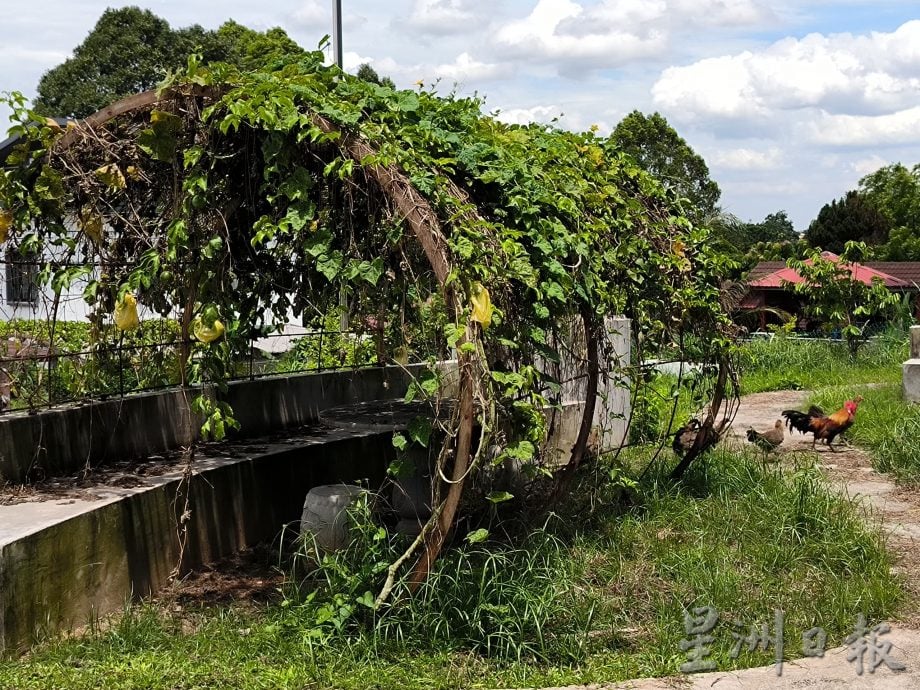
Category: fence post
[910,371]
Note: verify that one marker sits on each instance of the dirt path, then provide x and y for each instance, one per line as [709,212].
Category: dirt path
[898,511]
[850,469]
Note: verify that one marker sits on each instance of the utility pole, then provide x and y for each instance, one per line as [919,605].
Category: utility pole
[337,58]
[337,32]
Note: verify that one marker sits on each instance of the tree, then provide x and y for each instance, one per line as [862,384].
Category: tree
[368,73]
[894,191]
[252,50]
[661,151]
[850,219]
[838,300]
[776,227]
[777,251]
[130,50]
[126,52]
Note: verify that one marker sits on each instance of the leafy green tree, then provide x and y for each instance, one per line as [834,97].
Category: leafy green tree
[368,73]
[837,300]
[894,191]
[130,50]
[661,151]
[776,227]
[252,50]
[777,251]
[850,219]
[127,52]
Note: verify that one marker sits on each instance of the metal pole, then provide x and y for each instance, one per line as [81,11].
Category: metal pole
[337,56]
[337,31]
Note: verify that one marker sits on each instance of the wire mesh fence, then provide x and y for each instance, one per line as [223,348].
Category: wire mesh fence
[44,364]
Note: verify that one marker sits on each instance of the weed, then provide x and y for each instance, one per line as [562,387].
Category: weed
[592,596]
[792,364]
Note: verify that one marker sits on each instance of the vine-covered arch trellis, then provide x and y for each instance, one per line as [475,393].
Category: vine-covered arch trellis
[232,200]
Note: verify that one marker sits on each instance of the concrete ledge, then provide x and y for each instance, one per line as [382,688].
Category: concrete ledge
[61,441]
[64,562]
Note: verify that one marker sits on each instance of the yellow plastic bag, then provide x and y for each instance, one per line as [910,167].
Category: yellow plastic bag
[482,305]
[126,313]
[6,222]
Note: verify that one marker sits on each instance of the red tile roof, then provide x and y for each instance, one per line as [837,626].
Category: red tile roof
[908,271]
[765,278]
[765,268]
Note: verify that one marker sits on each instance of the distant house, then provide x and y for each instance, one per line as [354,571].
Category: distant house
[20,296]
[769,286]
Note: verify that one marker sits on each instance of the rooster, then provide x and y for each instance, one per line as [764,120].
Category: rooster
[823,426]
[685,437]
[767,440]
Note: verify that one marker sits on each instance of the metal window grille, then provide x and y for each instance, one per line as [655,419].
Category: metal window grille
[21,273]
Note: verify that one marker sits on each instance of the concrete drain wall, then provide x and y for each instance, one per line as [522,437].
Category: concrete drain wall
[64,562]
[65,440]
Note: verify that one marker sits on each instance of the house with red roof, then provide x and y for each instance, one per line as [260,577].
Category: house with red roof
[769,285]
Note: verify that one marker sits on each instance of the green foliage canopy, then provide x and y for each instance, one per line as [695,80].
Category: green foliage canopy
[130,50]
[247,195]
[837,299]
[894,190]
[661,151]
[850,219]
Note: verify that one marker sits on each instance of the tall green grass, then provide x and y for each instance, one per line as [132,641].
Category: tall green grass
[885,424]
[598,594]
[788,363]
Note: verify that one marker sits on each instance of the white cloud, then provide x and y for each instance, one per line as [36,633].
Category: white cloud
[523,116]
[902,127]
[465,68]
[864,166]
[549,34]
[748,159]
[731,13]
[839,73]
[443,16]
[575,35]
[721,87]
[311,13]
[351,61]
[31,54]
[676,15]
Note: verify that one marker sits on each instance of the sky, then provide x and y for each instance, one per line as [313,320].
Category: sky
[790,103]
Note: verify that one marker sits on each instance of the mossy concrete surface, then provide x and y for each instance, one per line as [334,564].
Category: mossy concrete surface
[64,440]
[64,562]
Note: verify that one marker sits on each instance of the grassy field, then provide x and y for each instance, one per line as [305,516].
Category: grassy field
[597,596]
[790,364]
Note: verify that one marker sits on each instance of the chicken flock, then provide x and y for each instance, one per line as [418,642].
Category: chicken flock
[824,427]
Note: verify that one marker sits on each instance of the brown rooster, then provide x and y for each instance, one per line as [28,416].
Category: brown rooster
[685,437]
[767,440]
[823,426]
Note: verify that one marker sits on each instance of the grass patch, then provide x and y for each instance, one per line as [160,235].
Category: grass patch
[596,596]
[885,424]
[791,364]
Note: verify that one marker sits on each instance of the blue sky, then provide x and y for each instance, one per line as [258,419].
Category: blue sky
[790,103]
